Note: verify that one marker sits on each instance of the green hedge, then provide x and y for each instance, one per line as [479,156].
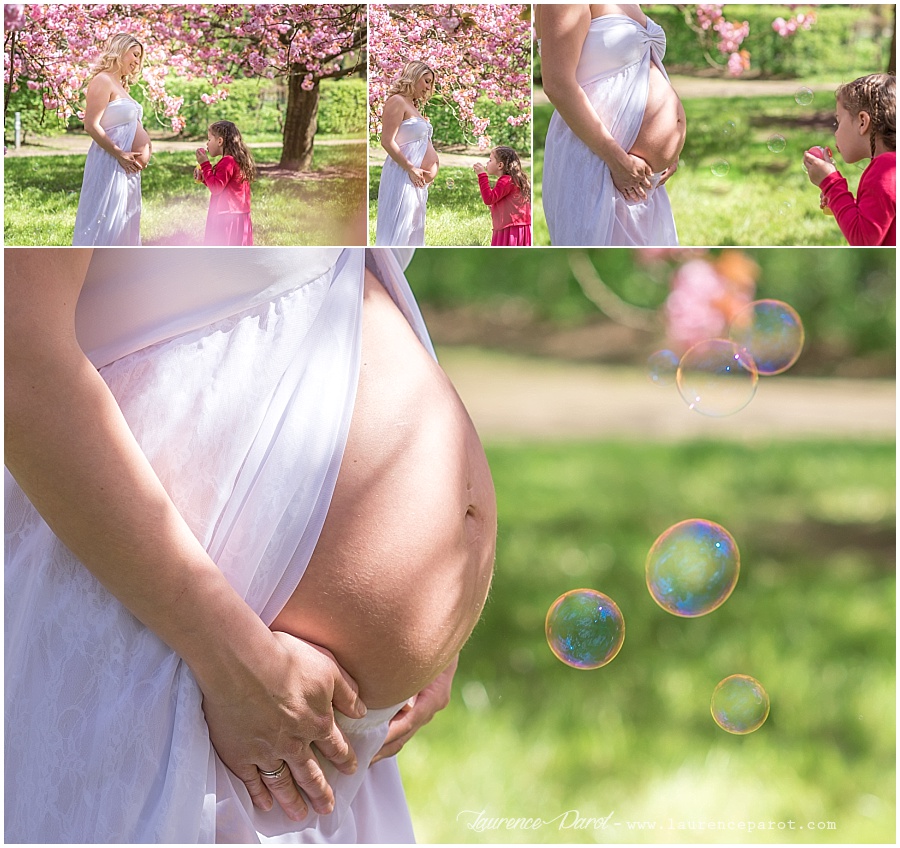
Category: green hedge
[845,42]
[255,105]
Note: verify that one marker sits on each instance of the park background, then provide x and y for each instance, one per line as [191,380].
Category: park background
[730,187]
[591,462]
[302,110]
[481,56]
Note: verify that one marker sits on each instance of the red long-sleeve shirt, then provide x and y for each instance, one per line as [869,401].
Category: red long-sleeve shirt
[508,207]
[230,192]
[870,218]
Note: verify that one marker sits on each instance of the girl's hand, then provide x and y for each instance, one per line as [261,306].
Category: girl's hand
[817,169]
[417,177]
[478,168]
[202,155]
[128,162]
[417,712]
[631,176]
[275,715]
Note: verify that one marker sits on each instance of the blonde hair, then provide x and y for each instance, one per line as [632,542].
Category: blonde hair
[876,95]
[113,50]
[404,84]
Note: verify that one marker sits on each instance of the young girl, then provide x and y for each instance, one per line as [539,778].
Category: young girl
[228,220]
[509,199]
[866,127]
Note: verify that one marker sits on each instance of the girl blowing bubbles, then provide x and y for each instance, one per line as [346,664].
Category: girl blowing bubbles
[866,127]
[509,199]
[228,220]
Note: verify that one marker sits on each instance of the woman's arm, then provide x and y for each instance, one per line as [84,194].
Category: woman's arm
[391,118]
[266,696]
[563,31]
[97,99]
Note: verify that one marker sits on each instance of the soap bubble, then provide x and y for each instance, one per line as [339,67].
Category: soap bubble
[585,628]
[720,168]
[772,334]
[740,704]
[716,378]
[661,367]
[450,183]
[728,128]
[692,568]
[776,143]
[804,96]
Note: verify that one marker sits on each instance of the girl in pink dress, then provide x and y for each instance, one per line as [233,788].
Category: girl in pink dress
[509,199]
[228,219]
[865,128]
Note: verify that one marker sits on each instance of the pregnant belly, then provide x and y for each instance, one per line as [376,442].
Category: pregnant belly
[141,147]
[402,568]
[662,132]
[430,163]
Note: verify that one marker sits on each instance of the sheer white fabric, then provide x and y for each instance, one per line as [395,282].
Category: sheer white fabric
[241,399]
[581,204]
[109,208]
[401,206]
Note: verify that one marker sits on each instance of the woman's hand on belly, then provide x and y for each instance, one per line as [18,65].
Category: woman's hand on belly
[304,683]
[631,176]
[420,709]
[667,173]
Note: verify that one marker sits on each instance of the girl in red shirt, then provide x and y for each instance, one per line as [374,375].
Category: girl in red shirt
[866,127]
[509,199]
[228,219]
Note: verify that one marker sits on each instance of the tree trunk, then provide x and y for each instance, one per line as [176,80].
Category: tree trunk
[299,123]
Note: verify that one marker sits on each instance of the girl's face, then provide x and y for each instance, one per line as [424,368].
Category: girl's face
[493,167]
[130,60]
[214,144]
[424,88]
[851,134]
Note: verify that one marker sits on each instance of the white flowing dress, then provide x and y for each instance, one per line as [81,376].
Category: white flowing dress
[581,204]
[237,372]
[401,205]
[109,208]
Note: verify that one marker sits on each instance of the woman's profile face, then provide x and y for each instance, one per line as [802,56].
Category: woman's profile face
[424,88]
[130,60]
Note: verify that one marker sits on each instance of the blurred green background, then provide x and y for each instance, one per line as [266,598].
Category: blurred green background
[813,615]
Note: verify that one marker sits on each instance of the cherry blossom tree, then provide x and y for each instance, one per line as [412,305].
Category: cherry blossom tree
[718,33]
[49,48]
[475,50]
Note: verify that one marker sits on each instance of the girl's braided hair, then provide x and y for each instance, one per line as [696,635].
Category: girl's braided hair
[875,94]
[233,145]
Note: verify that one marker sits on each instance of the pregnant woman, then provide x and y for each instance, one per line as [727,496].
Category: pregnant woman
[618,128]
[109,208]
[254,457]
[412,162]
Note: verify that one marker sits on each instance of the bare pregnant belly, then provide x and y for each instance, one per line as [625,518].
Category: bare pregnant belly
[402,568]
[662,132]
[141,147]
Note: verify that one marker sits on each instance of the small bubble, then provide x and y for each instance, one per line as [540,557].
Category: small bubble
[771,332]
[776,143]
[728,128]
[720,168]
[661,367]
[717,378]
[584,629]
[740,704]
[450,183]
[804,96]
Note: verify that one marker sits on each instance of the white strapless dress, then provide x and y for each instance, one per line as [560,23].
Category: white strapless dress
[401,206]
[237,372]
[581,204]
[109,208]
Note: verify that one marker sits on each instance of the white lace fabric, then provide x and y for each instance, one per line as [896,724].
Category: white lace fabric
[244,419]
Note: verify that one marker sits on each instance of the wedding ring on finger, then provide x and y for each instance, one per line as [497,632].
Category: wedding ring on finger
[274,775]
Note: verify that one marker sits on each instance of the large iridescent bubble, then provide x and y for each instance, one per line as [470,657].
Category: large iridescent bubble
[771,332]
[585,628]
[717,377]
[739,704]
[693,567]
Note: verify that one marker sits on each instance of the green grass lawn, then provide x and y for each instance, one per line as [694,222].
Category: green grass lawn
[457,216]
[763,197]
[324,206]
[812,617]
